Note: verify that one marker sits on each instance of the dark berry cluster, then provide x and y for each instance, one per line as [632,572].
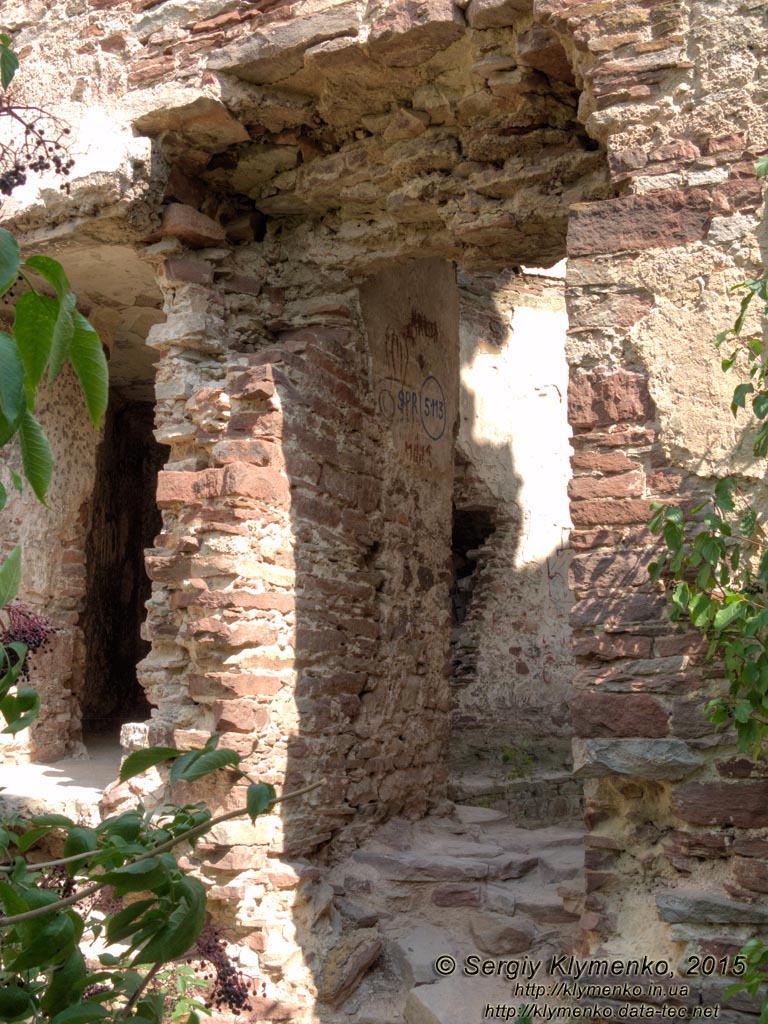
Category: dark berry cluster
[41,147]
[231,989]
[27,627]
[58,880]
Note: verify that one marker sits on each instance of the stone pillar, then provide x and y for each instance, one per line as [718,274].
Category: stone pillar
[301,580]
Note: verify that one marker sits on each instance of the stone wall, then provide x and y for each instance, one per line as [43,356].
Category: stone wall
[512,660]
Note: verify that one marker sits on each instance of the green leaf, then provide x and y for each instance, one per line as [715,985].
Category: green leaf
[182,927]
[760,405]
[208,761]
[50,941]
[11,899]
[15,479]
[140,876]
[10,256]
[63,331]
[82,1013]
[761,167]
[724,493]
[15,1003]
[52,271]
[20,710]
[125,921]
[53,820]
[29,838]
[140,760]
[3,497]
[10,576]
[65,985]
[740,396]
[727,613]
[259,799]
[9,65]
[79,840]
[33,329]
[36,455]
[90,364]
[12,401]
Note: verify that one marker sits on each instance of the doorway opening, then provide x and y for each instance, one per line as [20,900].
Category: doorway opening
[124,521]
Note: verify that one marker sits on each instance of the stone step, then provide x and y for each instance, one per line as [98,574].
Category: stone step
[561,863]
[544,799]
[432,866]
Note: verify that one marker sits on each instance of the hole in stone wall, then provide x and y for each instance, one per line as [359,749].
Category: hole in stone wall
[471,530]
[124,521]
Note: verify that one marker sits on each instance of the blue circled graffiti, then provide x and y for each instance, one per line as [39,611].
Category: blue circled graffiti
[433,408]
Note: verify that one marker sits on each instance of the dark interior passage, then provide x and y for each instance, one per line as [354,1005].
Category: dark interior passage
[124,521]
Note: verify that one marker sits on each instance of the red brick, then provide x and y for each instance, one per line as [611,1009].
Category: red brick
[751,873]
[744,804]
[659,219]
[191,227]
[610,511]
[607,648]
[240,716]
[621,485]
[181,188]
[597,398]
[195,271]
[689,720]
[603,462]
[238,479]
[608,714]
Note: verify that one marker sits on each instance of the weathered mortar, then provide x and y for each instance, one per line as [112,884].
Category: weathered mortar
[376,138]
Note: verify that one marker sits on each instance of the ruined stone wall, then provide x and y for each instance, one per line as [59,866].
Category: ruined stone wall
[53,582]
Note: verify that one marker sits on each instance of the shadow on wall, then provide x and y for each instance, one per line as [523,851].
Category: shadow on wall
[512,665]
[370,412]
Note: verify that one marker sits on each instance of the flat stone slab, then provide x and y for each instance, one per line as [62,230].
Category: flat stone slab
[634,758]
[561,863]
[699,906]
[421,866]
[469,815]
[418,948]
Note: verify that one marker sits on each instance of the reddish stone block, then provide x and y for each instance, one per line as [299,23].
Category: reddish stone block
[597,398]
[181,188]
[482,14]
[702,845]
[541,49]
[603,462]
[599,611]
[456,896]
[606,648]
[191,227]
[240,716]
[256,452]
[413,31]
[609,511]
[658,219]
[609,714]
[188,270]
[689,720]
[744,804]
[621,485]
[751,873]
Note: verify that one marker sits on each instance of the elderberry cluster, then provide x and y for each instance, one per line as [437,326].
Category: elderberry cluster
[27,627]
[231,989]
[42,147]
[58,880]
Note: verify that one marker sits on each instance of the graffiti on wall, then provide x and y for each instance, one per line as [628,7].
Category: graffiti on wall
[412,395]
